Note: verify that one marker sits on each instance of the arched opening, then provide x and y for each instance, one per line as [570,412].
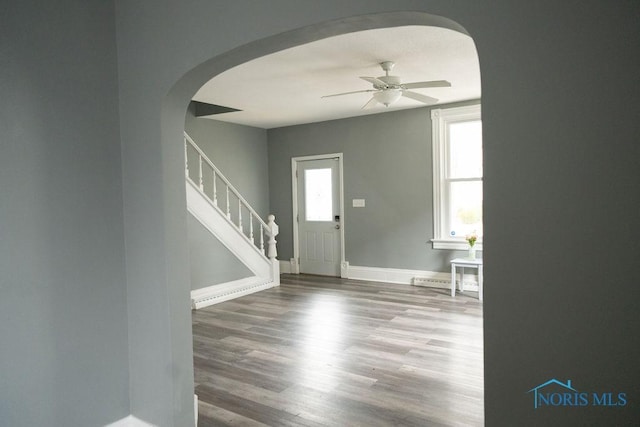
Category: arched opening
[183,91]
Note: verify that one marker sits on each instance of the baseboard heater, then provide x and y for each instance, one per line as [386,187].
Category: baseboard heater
[433,282]
[226,291]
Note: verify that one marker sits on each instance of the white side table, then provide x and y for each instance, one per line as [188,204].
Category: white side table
[468,263]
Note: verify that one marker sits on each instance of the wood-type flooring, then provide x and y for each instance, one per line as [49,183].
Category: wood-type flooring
[323,351]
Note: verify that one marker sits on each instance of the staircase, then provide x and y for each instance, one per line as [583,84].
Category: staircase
[220,208]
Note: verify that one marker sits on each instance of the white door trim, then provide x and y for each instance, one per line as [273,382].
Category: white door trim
[294,199]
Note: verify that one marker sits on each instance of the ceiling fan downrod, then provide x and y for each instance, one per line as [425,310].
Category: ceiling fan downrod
[387,66]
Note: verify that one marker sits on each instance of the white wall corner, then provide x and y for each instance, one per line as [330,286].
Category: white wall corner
[344,269]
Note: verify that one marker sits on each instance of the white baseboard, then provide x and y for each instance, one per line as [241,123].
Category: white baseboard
[226,291]
[195,408]
[130,421]
[344,269]
[292,267]
[432,279]
[286,267]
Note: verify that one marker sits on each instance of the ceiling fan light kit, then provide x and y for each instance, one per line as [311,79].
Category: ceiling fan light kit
[388,89]
[387,97]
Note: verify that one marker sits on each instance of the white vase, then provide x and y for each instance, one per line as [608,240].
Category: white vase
[472,252]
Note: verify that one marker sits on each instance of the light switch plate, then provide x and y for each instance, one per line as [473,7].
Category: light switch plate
[358,203]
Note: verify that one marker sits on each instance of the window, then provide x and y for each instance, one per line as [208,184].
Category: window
[457,176]
[318,195]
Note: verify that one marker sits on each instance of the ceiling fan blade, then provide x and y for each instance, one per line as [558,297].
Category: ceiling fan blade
[374,81]
[369,104]
[349,93]
[419,97]
[432,83]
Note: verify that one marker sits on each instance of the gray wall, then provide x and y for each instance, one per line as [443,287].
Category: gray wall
[387,162]
[63,313]
[561,180]
[240,153]
[210,262]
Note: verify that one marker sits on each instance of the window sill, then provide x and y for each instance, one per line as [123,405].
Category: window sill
[451,244]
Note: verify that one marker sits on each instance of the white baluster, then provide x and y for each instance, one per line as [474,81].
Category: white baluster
[261,238]
[215,190]
[273,232]
[186,159]
[240,216]
[251,228]
[228,206]
[200,183]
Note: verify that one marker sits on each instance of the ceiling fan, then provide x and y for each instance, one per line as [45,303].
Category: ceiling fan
[388,89]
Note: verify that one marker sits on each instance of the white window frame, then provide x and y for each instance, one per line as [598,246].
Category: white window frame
[441,118]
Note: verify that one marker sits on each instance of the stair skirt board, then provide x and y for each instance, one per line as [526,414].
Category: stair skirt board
[226,291]
[212,218]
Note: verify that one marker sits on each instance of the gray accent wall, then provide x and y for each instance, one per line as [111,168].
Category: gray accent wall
[63,311]
[387,162]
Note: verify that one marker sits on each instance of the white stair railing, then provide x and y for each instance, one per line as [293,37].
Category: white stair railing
[209,180]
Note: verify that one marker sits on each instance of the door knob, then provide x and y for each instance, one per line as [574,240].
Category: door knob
[337,226]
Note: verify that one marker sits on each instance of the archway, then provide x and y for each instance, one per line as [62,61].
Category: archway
[178,98]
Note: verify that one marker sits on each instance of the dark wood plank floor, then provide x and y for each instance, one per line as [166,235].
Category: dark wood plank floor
[321,351]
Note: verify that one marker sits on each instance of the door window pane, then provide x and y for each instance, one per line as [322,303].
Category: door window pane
[318,195]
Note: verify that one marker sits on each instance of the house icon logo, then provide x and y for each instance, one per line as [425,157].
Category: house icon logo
[555,393]
[539,396]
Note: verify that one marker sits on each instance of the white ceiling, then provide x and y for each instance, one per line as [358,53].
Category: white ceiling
[285,88]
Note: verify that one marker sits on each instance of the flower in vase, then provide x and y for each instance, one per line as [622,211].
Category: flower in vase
[471,238]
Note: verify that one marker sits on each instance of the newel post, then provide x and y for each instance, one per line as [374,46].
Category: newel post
[272,252]
[273,232]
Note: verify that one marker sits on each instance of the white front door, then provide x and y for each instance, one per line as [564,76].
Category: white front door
[319,222]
